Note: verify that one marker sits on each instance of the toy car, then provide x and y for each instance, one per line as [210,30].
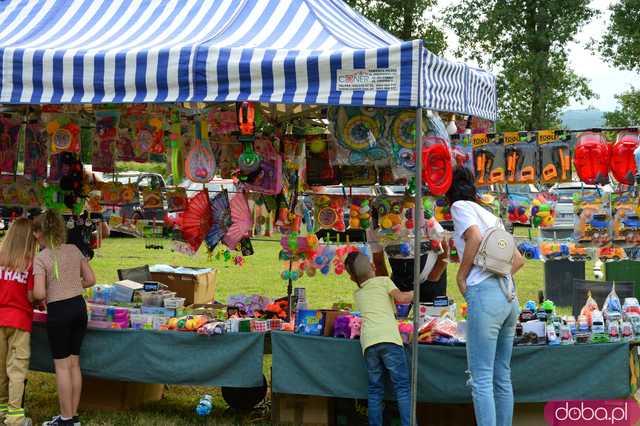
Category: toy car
[554,250]
[578,253]
[597,322]
[626,330]
[529,251]
[611,254]
[634,319]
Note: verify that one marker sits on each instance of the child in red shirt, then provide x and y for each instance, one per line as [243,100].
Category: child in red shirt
[16,313]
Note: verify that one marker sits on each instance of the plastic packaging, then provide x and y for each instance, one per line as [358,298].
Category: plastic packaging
[329,212]
[462,151]
[521,158]
[593,218]
[555,156]
[543,210]
[488,159]
[587,310]
[591,158]
[626,219]
[612,308]
[623,164]
[390,218]
[518,208]
[554,250]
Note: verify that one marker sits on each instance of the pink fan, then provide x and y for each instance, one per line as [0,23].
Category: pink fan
[241,220]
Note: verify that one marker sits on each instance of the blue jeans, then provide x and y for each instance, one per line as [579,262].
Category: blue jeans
[390,357]
[491,325]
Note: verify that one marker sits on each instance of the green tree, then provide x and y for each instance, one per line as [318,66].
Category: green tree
[525,43]
[629,112]
[405,19]
[620,45]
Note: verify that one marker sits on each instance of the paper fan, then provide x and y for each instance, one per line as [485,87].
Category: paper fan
[241,219]
[195,221]
[220,219]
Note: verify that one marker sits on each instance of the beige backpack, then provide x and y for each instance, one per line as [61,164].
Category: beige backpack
[495,255]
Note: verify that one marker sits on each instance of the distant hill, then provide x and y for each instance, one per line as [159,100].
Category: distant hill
[582,119]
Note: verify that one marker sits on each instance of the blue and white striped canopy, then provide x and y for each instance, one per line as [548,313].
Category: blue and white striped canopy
[280,51]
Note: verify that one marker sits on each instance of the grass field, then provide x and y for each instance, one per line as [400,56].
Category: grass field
[260,274]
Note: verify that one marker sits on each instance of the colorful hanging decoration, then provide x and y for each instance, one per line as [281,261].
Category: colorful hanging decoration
[328,211]
[626,219]
[200,164]
[64,134]
[35,151]
[521,158]
[488,159]
[9,136]
[623,164]
[195,222]
[391,215]
[147,136]
[319,161]
[462,151]
[359,132]
[124,148]
[591,158]
[221,221]
[543,210]
[359,214]
[267,178]
[118,194]
[227,151]
[104,141]
[222,121]
[241,221]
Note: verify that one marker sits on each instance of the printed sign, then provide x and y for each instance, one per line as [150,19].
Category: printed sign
[368,79]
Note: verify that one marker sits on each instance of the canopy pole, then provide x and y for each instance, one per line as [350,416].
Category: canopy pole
[418,218]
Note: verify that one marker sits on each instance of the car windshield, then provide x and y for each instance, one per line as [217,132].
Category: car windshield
[339,190]
[121,178]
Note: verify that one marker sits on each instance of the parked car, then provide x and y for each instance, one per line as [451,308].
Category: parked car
[141,180]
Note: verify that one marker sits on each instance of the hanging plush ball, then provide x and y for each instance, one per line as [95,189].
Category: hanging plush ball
[325,270]
[311,272]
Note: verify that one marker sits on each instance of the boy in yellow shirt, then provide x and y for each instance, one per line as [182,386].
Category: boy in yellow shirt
[380,338]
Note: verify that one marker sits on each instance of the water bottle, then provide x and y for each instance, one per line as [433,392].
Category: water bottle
[204,406]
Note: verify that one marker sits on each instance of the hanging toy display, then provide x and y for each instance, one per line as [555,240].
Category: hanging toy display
[521,158]
[591,158]
[593,219]
[519,208]
[320,169]
[462,150]
[623,164]
[200,164]
[104,140]
[389,219]
[328,212]
[626,219]
[35,150]
[543,212]
[249,160]
[441,209]
[196,221]
[359,133]
[437,171]
[555,156]
[177,199]
[241,224]
[488,159]
[64,134]
[359,214]
[10,126]
[221,221]
[554,250]
[267,179]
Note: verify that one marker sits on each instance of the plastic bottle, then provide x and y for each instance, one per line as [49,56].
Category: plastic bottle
[204,406]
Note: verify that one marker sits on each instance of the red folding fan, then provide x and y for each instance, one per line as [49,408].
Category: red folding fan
[241,220]
[195,221]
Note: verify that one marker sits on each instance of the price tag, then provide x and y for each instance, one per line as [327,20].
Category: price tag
[546,136]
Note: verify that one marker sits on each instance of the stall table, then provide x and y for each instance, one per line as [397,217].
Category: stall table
[167,357]
[334,368]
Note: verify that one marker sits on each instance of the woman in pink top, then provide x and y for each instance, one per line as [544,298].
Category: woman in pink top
[61,274]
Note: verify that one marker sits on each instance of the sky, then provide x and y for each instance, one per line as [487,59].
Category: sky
[605,80]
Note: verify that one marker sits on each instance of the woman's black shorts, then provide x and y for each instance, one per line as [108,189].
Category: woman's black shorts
[66,326]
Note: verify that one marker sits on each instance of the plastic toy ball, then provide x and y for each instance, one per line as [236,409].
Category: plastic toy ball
[284,275]
[530,306]
[386,223]
[405,249]
[548,306]
[325,270]
[317,146]
[339,269]
[311,272]
[320,260]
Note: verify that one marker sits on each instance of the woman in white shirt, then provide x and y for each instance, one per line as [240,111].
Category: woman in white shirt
[491,317]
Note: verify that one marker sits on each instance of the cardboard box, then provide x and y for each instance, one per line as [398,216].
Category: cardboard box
[114,395]
[330,316]
[300,410]
[123,290]
[199,288]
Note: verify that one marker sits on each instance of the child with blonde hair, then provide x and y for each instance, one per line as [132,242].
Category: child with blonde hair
[16,315]
[61,274]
